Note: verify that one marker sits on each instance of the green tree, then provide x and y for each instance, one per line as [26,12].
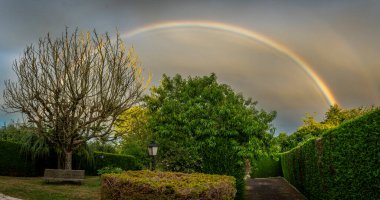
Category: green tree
[311,128]
[337,115]
[202,125]
[132,126]
[72,89]
[14,132]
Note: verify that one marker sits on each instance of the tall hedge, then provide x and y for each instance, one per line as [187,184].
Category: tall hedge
[12,163]
[343,164]
[266,166]
[102,159]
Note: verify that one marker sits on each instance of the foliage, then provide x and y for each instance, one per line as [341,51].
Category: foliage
[266,166]
[138,149]
[132,125]
[343,164]
[15,163]
[102,146]
[166,185]
[102,159]
[73,88]
[204,126]
[14,132]
[311,128]
[223,159]
[12,163]
[336,115]
[36,189]
[110,170]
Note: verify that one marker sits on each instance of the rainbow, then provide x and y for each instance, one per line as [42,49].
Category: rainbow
[307,68]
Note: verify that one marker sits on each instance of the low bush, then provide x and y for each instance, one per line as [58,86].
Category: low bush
[266,167]
[166,185]
[110,170]
[343,164]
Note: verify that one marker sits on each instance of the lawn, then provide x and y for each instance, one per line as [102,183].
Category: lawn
[35,188]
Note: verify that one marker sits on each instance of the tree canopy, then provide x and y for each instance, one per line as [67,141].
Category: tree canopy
[202,125]
[312,128]
[73,88]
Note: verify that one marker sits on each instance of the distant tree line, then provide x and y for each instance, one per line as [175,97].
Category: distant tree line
[311,128]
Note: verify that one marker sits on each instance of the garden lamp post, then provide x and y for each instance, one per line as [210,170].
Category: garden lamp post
[152,150]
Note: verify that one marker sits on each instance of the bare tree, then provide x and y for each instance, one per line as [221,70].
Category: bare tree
[73,88]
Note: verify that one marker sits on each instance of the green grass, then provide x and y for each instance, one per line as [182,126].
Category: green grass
[35,188]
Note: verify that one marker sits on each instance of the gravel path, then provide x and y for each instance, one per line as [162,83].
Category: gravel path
[272,189]
[3,197]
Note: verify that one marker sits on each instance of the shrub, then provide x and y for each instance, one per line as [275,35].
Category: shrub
[224,159]
[166,185]
[102,159]
[266,167]
[110,170]
[343,164]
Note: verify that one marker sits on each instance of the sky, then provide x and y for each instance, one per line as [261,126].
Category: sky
[339,41]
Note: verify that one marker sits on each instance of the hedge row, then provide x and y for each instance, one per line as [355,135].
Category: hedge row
[266,167]
[166,185]
[102,159]
[12,163]
[343,164]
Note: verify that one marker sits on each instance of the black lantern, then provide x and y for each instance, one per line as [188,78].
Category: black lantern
[152,150]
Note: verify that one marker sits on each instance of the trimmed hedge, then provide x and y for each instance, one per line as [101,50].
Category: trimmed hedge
[343,164]
[166,185]
[266,167]
[14,164]
[102,159]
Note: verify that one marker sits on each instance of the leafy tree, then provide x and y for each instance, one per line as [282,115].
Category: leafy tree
[132,126]
[14,132]
[202,125]
[72,89]
[311,128]
[337,115]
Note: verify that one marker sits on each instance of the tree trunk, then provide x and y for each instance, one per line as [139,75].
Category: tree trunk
[68,160]
[59,162]
[247,169]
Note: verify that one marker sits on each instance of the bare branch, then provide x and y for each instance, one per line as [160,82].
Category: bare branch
[74,87]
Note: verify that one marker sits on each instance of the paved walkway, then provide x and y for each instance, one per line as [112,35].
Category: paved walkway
[272,189]
[3,197]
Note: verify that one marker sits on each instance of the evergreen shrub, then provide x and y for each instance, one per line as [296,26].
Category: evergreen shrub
[342,164]
[12,163]
[15,163]
[102,160]
[223,159]
[166,185]
[266,166]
